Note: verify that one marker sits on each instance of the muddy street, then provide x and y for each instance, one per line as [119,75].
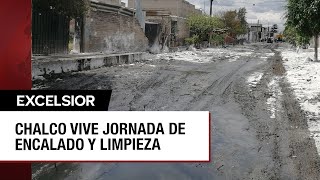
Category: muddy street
[258,128]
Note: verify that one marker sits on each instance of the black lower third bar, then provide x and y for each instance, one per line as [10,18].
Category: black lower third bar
[56,100]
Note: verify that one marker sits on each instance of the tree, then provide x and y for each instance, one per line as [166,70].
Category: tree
[214,28]
[235,21]
[291,35]
[69,8]
[230,20]
[303,16]
[242,12]
[294,38]
[201,26]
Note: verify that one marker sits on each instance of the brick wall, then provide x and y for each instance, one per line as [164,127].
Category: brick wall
[188,9]
[111,32]
[173,6]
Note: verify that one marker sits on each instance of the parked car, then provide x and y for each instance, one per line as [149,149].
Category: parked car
[270,40]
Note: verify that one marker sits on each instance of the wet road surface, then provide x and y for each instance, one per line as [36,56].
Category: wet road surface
[258,129]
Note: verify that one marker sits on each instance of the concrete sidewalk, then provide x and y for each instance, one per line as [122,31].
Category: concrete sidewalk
[56,64]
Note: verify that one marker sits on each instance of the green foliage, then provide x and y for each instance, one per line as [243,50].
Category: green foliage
[290,35]
[235,21]
[293,37]
[304,15]
[242,12]
[193,40]
[202,25]
[230,20]
[70,8]
[217,38]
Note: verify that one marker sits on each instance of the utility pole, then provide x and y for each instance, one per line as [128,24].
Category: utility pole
[268,30]
[204,6]
[211,2]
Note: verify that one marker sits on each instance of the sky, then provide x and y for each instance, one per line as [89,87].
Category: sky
[268,12]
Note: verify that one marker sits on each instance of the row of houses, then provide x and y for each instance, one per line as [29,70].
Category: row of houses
[110,26]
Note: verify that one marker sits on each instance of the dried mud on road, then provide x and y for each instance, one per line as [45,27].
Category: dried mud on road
[258,128]
[284,141]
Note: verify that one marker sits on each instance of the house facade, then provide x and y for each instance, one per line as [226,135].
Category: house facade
[107,27]
[166,20]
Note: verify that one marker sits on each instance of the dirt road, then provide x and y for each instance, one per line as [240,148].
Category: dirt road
[258,129]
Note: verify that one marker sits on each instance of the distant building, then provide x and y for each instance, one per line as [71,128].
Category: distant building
[255,32]
[264,32]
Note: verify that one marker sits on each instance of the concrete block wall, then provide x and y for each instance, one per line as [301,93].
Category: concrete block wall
[188,9]
[183,30]
[181,8]
[112,32]
[171,5]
